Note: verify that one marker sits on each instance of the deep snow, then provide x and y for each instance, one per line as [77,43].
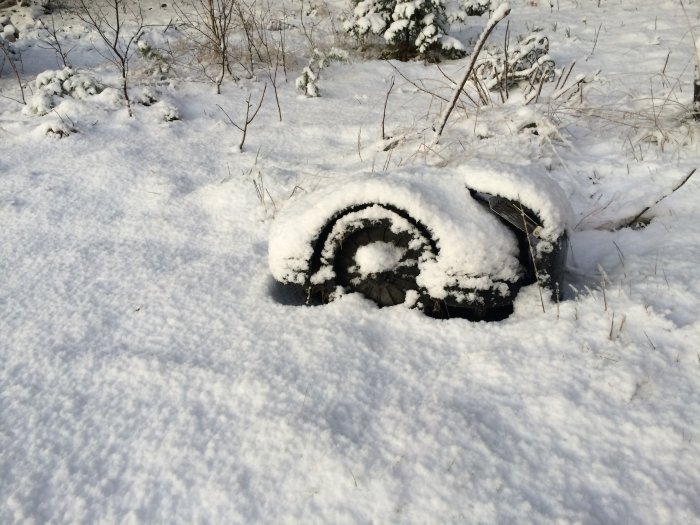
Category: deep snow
[150,371]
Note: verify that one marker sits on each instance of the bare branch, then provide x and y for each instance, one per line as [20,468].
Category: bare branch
[415,85]
[120,48]
[6,52]
[229,117]
[633,221]
[496,17]
[248,117]
[386,101]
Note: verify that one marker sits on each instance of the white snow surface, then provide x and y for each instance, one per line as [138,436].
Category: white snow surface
[151,372]
[378,257]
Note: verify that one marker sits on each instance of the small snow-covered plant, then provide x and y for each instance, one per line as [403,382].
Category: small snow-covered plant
[337,55]
[53,85]
[527,61]
[306,83]
[149,98]
[57,129]
[476,7]
[7,30]
[409,27]
[168,112]
[459,10]
[159,62]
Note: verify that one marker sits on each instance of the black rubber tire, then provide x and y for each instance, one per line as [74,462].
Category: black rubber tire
[387,288]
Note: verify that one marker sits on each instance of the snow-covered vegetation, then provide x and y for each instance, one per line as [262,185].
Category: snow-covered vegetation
[152,370]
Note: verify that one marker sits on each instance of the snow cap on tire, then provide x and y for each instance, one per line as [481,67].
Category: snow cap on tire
[473,246]
[531,186]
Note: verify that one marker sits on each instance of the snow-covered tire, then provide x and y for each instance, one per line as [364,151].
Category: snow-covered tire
[380,263]
[374,249]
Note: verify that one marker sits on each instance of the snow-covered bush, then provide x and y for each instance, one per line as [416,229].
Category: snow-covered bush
[476,7]
[159,64]
[149,98]
[528,60]
[168,112]
[8,54]
[306,83]
[53,85]
[8,34]
[8,31]
[56,129]
[409,27]
[459,10]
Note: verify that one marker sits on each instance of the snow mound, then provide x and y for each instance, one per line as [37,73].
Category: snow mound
[52,85]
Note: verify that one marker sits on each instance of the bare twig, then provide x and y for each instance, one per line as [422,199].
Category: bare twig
[612,327]
[595,42]
[633,221]
[359,143]
[106,18]
[248,117]
[6,52]
[532,254]
[506,40]
[309,34]
[498,15]
[415,85]
[55,43]
[565,78]
[481,90]
[269,54]
[210,24]
[386,101]
[452,82]
[696,81]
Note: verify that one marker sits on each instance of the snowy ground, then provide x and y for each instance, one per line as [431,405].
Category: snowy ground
[150,372]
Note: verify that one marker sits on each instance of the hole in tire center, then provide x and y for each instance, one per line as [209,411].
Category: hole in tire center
[377,257]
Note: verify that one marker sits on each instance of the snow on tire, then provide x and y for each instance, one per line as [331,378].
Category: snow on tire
[372,249]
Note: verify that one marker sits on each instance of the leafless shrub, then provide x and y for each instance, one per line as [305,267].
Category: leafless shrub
[238,37]
[210,24]
[493,21]
[269,36]
[54,42]
[249,117]
[7,56]
[119,26]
